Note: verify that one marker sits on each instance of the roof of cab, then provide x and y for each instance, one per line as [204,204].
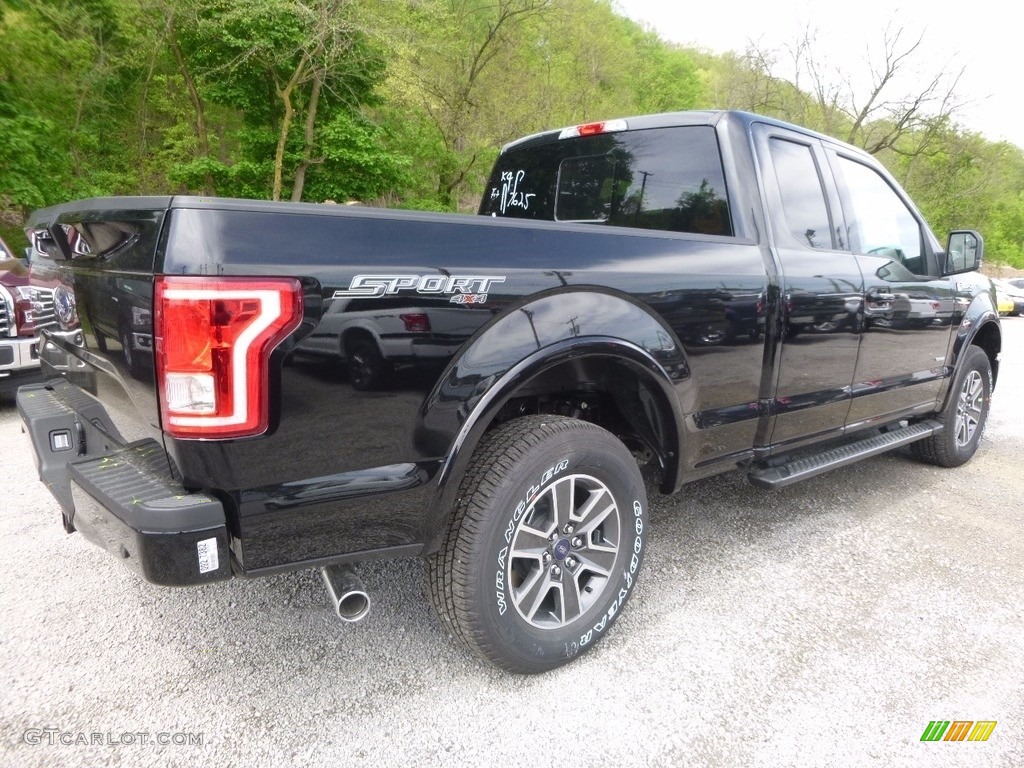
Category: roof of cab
[673,120]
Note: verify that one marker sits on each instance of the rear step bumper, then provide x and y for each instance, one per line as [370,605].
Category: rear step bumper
[801,469]
[124,501]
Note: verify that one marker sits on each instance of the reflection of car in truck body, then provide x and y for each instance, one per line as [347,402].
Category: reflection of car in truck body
[374,337]
[597,284]
[823,312]
[907,311]
[743,315]
[19,352]
[121,318]
[711,317]
[927,312]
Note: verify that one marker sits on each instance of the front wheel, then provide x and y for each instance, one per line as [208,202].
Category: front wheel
[545,543]
[964,416]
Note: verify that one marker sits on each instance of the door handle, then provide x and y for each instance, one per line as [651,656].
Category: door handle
[877,295]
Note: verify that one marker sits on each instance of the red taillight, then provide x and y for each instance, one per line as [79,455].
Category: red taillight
[213,343]
[416,322]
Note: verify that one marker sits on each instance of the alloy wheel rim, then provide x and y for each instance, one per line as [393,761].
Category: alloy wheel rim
[968,410]
[563,551]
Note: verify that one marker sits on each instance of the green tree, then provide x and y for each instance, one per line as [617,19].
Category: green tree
[67,71]
[1004,235]
[447,60]
[464,78]
[287,67]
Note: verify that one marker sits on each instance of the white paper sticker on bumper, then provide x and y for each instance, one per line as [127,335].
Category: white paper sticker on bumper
[209,560]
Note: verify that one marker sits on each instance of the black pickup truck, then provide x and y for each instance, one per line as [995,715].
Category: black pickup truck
[264,387]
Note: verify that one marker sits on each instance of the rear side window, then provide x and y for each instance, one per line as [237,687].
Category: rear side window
[803,199]
[664,178]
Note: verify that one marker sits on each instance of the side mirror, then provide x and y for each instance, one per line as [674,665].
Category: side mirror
[964,252]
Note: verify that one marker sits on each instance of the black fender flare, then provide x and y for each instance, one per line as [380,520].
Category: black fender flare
[527,340]
[979,326]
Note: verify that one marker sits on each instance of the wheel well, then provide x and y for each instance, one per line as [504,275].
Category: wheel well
[353,335]
[612,393]
[990,340]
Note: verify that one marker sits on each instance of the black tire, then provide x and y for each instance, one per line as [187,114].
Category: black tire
[507,590]
[964,416]
[131,359]
[366,368]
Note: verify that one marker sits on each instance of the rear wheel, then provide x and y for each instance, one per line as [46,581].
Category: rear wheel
[545,543]
[365,365]
[964,416]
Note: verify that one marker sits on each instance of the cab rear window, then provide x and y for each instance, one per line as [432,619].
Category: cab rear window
[664,178]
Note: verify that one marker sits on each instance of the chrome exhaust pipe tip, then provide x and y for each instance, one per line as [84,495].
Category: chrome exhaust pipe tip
[348,595]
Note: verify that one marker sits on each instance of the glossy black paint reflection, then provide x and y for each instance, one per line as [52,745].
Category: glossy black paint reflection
[693,303]
[816,315]
[904,346]
[99,334]
[521,331]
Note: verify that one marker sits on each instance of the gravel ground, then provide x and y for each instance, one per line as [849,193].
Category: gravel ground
[825,624]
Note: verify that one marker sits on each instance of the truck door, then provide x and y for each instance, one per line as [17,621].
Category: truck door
[908,308]
[820,292]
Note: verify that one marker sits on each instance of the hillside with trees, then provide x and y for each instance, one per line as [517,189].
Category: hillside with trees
[405,103]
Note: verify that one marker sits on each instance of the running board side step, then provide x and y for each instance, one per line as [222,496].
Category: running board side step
[801,469]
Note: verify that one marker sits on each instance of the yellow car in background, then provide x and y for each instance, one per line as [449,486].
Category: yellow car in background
[1003,303]
[1006,289]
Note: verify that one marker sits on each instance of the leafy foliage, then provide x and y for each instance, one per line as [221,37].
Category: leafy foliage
[406,102]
